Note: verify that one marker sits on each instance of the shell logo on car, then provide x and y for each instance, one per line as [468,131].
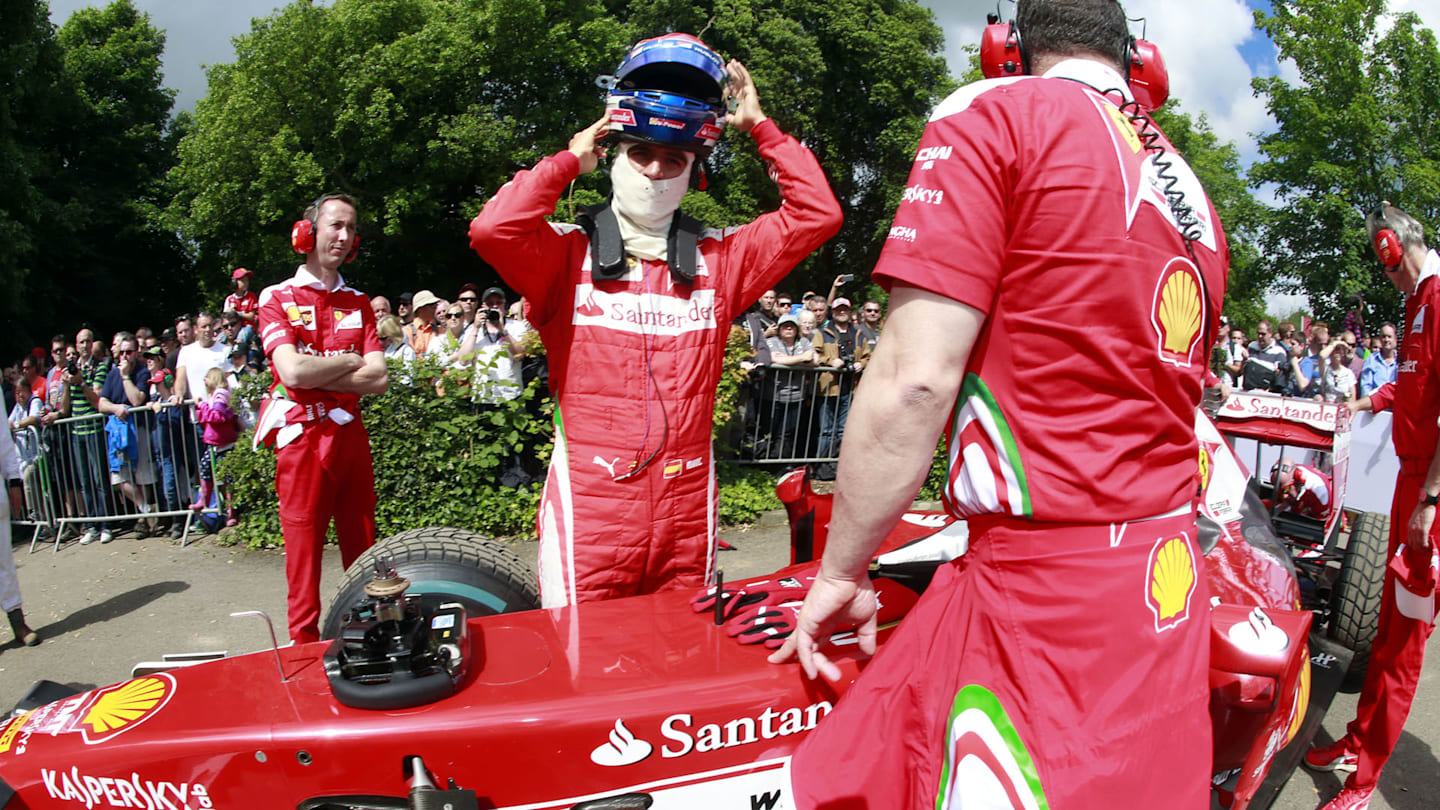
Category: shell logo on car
[1171,582]
[124,706]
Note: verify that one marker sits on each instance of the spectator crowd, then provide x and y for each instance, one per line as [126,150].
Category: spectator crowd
[128,433]
[1308,363]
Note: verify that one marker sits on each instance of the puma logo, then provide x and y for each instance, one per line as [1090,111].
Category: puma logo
[608,465]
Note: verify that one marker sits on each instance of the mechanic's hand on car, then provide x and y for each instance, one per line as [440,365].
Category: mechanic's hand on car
[585,144]
[831,602]
[1418,532]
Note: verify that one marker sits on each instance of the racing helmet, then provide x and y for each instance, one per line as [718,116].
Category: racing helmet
[668,91]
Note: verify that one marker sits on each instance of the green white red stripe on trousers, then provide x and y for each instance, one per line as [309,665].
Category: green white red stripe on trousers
[986,763]
[987,475]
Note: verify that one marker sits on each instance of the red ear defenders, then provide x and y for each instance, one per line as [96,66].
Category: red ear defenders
[302,234]
[1387,242]
[1003,54]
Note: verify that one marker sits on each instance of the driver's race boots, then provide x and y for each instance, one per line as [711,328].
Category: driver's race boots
[23,633]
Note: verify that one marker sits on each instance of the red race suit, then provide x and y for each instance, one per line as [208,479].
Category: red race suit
[322,461]
[1064,660]
[634,365]
[1398,652]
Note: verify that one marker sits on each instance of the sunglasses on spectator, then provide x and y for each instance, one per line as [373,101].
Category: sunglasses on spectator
[453,314]
[868,309]
[468,298]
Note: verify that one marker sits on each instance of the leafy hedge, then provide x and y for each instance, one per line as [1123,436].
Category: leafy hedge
[440,459]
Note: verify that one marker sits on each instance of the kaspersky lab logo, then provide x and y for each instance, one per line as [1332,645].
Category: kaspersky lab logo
[683,737]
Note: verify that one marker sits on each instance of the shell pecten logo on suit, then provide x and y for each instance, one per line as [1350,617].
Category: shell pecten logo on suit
[1177,312]
[1171,582]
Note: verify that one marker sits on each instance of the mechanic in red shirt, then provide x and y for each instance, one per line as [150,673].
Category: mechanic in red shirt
[319,335]
[634,307]
[1398,651]
[1059,662]
[1302,489]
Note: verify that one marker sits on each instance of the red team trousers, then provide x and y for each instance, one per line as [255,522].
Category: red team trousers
[324,473]
[1397,654]
[1059,665]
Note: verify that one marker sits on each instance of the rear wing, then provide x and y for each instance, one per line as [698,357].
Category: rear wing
[1274,422]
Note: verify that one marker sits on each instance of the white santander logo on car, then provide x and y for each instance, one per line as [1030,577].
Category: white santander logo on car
[625,748]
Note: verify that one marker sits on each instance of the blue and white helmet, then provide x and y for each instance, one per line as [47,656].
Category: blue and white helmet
[667,90]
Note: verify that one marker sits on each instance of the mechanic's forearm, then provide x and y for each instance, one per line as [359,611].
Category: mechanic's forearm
[371,378]
[890,439]
[315,371]
[1432,476]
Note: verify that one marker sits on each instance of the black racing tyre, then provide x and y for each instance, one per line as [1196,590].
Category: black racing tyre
[1355,600]
[444,565]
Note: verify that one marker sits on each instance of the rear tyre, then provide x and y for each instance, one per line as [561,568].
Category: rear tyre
[1355,601]
[443,565]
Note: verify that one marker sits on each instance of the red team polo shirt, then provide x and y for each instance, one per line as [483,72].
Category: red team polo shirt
[1079,399]
[243,304]
[1414,397]
[299,312]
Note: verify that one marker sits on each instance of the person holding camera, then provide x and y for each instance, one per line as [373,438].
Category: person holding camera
[495,344]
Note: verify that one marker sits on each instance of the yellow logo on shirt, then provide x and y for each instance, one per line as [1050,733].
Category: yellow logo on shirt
[1176,312]
[1122,125]
[300,316]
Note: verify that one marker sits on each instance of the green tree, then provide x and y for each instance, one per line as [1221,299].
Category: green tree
[422,109]
[1217,164]
[1358,129]
[32,107]
[117,152]
[84,147]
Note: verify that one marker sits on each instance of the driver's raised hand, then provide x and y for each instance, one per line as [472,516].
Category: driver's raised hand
[585,144]
[831,600]
[741,88]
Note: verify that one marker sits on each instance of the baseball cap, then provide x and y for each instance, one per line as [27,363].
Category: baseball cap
[168,334]
[424,298]
[791,319]
[468,286]
[493,291]
[405,298]
[240,272]
[153,351]
[1415,574]
[840,302]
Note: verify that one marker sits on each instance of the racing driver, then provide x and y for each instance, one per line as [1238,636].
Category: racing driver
[634,306]
[1059,661]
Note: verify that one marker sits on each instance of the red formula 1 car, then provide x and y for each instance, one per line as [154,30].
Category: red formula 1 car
[635,703]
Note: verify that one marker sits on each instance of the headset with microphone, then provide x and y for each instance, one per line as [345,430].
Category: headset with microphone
[302,233]
[1003,53]
[1387,242]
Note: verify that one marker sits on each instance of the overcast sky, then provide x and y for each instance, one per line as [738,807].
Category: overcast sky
[1210,47]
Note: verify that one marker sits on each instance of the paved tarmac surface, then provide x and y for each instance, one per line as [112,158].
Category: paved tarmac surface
[102,609]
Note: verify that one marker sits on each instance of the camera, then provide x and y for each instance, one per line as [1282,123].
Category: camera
[492,315]
[847,278]
[72,368]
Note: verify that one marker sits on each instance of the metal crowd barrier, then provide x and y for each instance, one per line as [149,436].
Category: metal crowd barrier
[73,486]
[788,419]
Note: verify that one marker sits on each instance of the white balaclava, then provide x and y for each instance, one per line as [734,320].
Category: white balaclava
[644,207]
